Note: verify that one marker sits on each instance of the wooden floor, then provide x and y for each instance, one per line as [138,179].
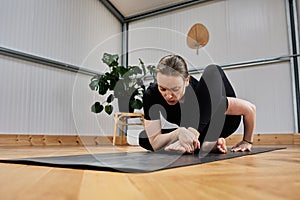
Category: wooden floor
[272,175]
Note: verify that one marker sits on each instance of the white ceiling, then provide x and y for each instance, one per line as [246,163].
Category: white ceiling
[132,7]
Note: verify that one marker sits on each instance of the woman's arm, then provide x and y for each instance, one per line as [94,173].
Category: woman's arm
[155,136]
[188,138]
[248,111]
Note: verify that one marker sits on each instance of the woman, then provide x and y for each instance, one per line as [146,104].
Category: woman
[198,113]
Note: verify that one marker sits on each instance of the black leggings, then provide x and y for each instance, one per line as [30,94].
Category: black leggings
[212,91]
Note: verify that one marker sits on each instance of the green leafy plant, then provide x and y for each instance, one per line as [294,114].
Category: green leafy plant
[125,82]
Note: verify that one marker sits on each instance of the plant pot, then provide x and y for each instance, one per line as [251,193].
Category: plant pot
[124,106]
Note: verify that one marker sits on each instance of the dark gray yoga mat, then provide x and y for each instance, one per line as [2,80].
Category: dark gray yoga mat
[132,161]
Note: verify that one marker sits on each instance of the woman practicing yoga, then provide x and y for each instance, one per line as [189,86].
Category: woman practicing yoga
[185,115]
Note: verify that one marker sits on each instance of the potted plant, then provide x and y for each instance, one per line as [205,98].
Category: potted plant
[125,83]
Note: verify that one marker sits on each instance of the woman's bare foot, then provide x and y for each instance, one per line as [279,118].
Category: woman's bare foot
[218,146]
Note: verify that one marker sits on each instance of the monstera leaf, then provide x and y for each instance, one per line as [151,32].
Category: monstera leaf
[97,107]
[110,60]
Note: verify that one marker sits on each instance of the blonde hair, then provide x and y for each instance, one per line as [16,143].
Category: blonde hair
[173,65]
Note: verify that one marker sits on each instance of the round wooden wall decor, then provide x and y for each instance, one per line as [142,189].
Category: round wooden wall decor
[197,37]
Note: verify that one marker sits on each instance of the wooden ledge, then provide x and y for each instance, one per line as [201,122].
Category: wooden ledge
[267,139]
[73,140]
[55,140]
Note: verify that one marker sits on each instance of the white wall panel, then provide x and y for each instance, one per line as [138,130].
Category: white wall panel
[256,29]
[239,31]
[298,11]
[37,99]
[269,88]
[41,100]
[63,30]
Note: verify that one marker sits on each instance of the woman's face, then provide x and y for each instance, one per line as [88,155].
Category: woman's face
[172,88]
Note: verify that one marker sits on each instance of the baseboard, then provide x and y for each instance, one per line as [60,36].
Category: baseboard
[267,139]
[56,140]
[71,140]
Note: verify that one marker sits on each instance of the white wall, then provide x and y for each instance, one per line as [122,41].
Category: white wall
[239,31]
[298,3]
[37,99]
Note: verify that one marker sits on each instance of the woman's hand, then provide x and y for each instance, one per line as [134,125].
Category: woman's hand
[176,146]
[188,139]
[196,134]
[242,146]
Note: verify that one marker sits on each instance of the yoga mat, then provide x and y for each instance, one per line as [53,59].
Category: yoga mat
[132,161]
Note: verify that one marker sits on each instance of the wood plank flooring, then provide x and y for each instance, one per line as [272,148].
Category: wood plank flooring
[272,175]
